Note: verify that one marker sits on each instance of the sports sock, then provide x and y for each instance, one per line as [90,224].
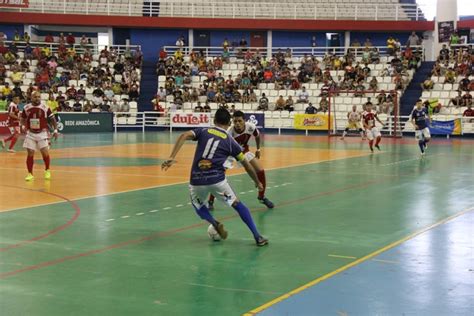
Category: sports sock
[371,143]
[211,198]
[13,142]
[245,215]
[203,213]
[344,134]
[263,180]
[46,160]
[377,142]
[29,163]
[421,143]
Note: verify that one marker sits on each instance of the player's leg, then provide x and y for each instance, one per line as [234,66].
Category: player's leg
[198,197]
[370,137]
[345,133]
[43,145]
[30,159]
[14,137]
[378,137]
[421,142]
[262,178]
[362,134]
[426,136]
[223,191]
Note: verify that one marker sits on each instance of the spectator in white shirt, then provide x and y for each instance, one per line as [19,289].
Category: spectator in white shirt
[303,96]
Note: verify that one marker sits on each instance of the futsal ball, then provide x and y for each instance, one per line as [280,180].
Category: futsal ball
[213,234]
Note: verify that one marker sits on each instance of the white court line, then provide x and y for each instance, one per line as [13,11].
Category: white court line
[110,219]
[179,205]
[153,211]
[166,208]
[183,182]
[125,216]
[140,214]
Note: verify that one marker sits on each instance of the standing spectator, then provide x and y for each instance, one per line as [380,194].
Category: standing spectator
[180,42]
[454,38]
[77,106]
[467,99]
[413,40]
[464,84]
[324,104]
[71,93]
[198,108]
[83,41]
[133,94]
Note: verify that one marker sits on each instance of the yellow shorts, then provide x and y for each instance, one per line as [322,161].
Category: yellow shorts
[355,125]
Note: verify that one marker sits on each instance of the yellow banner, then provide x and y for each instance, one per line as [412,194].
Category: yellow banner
[457,127]
[318,121]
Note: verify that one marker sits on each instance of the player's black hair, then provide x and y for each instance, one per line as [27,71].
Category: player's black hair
[239,113]
[222,117]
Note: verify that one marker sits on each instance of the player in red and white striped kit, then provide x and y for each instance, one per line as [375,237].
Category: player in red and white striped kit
[242,132]
[35,118]
[372,131]
[13,124]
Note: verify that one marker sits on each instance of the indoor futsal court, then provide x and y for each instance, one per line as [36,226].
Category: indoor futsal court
[111,234]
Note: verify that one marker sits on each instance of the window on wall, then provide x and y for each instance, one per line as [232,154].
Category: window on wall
[102,40]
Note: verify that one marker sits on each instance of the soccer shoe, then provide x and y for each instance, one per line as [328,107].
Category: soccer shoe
[220,230]
[29,177]
[11,151]
[211,206]
[267,202]
[261,241]
[2,143]
[378,147]
[47,175]
[371,149]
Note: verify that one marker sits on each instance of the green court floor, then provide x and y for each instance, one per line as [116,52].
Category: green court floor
[146,252]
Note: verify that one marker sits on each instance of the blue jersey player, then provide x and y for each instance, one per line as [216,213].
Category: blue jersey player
[214,146]
[420,119]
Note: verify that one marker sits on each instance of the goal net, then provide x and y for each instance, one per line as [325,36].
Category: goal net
[342,102]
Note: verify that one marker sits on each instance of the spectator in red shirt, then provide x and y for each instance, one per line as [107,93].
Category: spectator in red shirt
[49,38]
[163,54]
[268,75]
[70,39]
[469,112]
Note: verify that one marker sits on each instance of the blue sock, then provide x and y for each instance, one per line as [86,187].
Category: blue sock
[247,218]
[203,213]
[421,143]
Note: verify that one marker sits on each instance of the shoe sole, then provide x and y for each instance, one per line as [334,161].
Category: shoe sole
[262,243]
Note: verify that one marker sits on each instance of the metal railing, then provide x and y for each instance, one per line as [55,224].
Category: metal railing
[148,120]
[94,48]
[239,52]
[314,10]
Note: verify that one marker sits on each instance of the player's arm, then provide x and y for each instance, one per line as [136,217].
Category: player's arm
[412,119]
[189,135]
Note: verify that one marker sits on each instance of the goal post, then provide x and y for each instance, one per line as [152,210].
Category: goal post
[342,101]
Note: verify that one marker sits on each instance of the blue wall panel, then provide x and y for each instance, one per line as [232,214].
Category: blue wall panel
[217,37]
[9,29]
[298,39]
[152,40]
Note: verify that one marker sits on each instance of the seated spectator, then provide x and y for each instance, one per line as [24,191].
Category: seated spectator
[17,77]
[457,101]
[464,84]
[252,96]
[450,76]
[373,83]
[49,38]
[70,39]
[109,93]
[206,108]
[77,106]
[125,107]
[289,104]
[359,89]
[87,106]
[469,112]
[268,76]
[81,93]
[6,91]
[303,96]
[133,94]
[3,103]
[16,92]
[198,108]
[161,94]
[310,109]
[467,99]
[428,84]
[263,103]
[280,104]
[71,93]
[325,89]
[53,104]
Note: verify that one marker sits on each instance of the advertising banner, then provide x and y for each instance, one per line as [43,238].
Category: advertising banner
[4,124]
[446,127]
[85,122]
[318,121]
[256,118]
[190,119]
[445,29]
[14,3]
